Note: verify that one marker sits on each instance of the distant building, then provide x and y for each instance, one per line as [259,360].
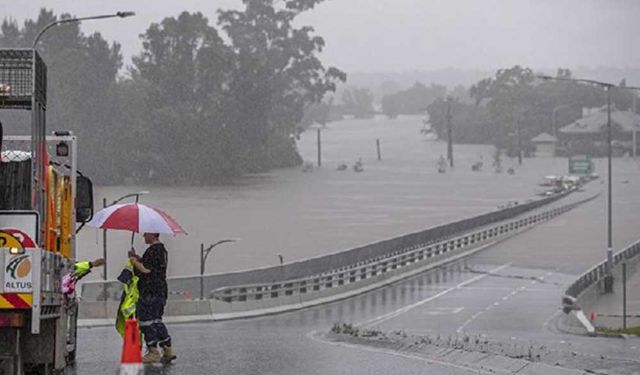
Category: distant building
[545,145]
[588,135]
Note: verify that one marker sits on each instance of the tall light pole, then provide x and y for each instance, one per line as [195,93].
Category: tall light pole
[634,146]
[204,254]
[34,44]
[608,87]
[79,19]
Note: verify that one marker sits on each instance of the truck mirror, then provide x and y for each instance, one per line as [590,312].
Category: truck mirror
[84,199]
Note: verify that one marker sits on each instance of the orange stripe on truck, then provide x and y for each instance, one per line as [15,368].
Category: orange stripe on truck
[15,301]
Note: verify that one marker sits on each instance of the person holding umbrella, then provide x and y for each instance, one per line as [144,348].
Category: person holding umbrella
[151,269]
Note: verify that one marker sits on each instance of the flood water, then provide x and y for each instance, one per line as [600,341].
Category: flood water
[304,214]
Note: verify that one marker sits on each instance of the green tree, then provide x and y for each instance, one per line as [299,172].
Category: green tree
[182,72]
[390,106]
[276,75]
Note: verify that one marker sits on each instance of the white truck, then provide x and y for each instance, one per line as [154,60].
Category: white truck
[42,200]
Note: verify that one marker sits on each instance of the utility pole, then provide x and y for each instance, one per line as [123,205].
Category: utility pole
[519,139]
[634,138]
[449,133]
[319,150]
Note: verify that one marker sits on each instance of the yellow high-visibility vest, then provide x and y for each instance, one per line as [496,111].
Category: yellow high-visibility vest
[127,307]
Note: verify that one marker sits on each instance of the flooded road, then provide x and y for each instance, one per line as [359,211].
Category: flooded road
[300,215]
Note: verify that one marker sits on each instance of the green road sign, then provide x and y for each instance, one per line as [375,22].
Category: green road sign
[581,165]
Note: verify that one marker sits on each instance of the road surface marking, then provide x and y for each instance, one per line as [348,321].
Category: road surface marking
[444,310]
[383,318]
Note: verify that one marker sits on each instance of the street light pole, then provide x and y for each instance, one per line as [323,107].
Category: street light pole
[33,47]
[633,135]
[204,254]
[608,282]
[80,19]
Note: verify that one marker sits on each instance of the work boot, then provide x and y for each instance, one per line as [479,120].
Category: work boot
[152,356]
[168,355]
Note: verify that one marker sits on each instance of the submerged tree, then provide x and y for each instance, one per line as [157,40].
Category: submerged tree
[276,74]
[358,102]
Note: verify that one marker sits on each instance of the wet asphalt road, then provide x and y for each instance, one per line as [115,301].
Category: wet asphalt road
[503,293]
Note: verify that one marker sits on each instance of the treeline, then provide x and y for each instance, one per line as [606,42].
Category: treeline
[492,110]
[412,101]
[515,98]
[200,104]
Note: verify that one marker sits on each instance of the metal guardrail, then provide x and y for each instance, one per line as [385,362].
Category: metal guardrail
[599,271]
[408,258]
[325,264]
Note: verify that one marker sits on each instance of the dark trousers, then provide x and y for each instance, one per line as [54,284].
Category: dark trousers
[149,311]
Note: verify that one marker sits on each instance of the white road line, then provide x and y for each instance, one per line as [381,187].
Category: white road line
[313,336]
[382,318]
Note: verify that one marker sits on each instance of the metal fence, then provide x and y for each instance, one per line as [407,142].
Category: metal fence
[344,267]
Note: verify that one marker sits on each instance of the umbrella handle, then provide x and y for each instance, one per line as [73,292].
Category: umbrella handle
[134,233]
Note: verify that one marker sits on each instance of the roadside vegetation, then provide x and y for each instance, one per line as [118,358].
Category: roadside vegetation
[635,331]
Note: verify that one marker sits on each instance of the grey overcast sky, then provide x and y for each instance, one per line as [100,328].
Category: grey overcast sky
[404,35]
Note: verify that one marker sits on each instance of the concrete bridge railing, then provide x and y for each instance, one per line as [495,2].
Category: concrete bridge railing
[376,272]
[596,274]
[323,279]
[589,287]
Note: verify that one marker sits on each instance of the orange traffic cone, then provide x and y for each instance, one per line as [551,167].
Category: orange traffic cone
[131,350]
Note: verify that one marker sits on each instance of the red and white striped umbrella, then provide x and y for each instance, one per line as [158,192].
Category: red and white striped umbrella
[137,218]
